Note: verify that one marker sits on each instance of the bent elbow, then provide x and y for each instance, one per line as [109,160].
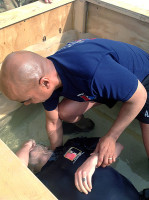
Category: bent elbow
[144,95]
[139,98]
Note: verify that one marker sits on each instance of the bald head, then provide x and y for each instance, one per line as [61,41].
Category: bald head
[21,70]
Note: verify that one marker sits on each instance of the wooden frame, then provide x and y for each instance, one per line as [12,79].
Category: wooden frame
[50,26]
[123,26]
[35,29]
[114,19]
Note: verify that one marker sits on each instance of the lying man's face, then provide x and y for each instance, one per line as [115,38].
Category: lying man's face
[38,157]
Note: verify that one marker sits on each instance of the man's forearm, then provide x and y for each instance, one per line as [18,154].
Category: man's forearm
[128,112]
[55,134]
[126,115]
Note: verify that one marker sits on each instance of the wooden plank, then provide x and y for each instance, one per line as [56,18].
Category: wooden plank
[108,24]
[126,8]
[33,30]
[17,182]
[22,13]
[53,44]
[80,11]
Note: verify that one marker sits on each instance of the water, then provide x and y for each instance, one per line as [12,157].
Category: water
[29,122]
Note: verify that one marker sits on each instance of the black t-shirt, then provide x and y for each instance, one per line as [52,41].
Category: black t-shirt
[58,175]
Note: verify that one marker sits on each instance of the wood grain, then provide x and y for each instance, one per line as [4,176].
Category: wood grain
[17,182]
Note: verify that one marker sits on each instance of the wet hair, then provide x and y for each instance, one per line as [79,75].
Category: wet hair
[35,163]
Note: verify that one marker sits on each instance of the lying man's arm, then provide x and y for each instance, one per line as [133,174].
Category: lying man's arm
[54,128]
[129,110]
[87,169]
[23,152]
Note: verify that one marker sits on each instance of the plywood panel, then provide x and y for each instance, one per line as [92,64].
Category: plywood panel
[132,8]
[106,23]
[16,180]
[24,12]
[31,31]
[51,45]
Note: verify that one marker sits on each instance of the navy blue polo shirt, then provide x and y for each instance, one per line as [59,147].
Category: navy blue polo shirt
[99,70]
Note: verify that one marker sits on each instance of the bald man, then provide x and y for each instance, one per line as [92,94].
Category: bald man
[86,73]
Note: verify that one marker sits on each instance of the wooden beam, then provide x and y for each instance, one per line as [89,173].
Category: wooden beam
[36,29]
[106,23]
[17,181]
[24,12]
[80,11]
[123,7]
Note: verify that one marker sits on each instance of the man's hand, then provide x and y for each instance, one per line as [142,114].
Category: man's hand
[23,153]
[106,151]
[29,144]
[48,1]
[83,175]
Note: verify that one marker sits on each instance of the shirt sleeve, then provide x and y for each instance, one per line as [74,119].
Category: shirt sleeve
[51,103]
[114,81]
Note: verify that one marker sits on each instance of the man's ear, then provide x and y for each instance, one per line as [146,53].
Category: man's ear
[44,82]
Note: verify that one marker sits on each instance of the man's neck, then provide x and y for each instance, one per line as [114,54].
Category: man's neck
[54,76]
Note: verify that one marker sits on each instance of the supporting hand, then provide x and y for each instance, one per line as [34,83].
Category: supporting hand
[106,151]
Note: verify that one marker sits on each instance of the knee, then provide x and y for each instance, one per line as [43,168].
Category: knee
[63,115]
[66,115]
[68,111]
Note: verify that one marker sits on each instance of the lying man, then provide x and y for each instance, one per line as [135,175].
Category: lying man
[56,170]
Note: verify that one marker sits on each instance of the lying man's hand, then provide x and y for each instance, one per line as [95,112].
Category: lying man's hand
[30,143]
[106,151]
[83,175]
